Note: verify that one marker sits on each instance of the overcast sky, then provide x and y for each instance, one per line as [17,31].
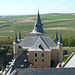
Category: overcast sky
[24,7]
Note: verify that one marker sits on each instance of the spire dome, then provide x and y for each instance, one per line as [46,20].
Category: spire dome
[56,36]
[19,36]
[60,39]
[38,25]
[15,40]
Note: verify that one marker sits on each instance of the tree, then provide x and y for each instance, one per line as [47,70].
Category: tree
[71,42]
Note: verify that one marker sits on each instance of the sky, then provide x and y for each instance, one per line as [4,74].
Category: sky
[27,7]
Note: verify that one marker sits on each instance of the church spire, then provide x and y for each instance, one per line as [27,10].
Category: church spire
[19,37]
[38,25]
[60,39]
[15,40]
[38,20]
[56,36]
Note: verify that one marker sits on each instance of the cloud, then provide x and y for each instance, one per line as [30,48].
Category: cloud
[58,5]
[64,0]
[14,6]
[3,7]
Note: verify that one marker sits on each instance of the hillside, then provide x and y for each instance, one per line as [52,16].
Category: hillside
[62,23]
[9,25]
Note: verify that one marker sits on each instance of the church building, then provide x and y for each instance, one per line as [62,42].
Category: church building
[36,50]
[42,51]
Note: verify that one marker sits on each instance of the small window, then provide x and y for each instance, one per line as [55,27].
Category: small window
[42,54]
[36,25]
[35,67]
[42,60]
[35,54]
[35,60]
[20,47]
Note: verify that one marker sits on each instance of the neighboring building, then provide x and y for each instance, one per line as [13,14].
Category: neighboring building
[70,62]
[46,71]
[36,50]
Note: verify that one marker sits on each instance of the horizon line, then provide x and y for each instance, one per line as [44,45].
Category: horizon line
[35,14]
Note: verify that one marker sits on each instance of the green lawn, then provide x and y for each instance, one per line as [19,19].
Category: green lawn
[69,51]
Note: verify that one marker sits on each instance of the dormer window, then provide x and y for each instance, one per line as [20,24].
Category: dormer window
[39,45]
[25,61]
[20,47]
[21,66]
[36,25]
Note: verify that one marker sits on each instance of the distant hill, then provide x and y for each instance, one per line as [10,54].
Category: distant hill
[52,22]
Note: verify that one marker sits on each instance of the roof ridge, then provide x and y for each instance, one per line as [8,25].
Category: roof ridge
[44,42]
[69,58]
[38,43]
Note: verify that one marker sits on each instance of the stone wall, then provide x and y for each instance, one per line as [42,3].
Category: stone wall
[54,55]
[40,61]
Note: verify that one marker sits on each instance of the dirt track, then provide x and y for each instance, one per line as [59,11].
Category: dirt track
[59,28]
[28,19]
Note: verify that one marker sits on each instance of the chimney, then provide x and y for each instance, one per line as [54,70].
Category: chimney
[59,65]
[0,72]
[14,55]
[15,72]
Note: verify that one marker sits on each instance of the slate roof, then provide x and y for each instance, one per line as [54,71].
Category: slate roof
[9,69]
[18,62]
[29,41]
[46,71]
[70,61]
[39,45]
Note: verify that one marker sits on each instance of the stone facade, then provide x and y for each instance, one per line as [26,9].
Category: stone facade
[40,59]
[54,55]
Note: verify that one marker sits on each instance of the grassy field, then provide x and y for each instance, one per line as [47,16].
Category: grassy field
[62,23]
[69,51]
